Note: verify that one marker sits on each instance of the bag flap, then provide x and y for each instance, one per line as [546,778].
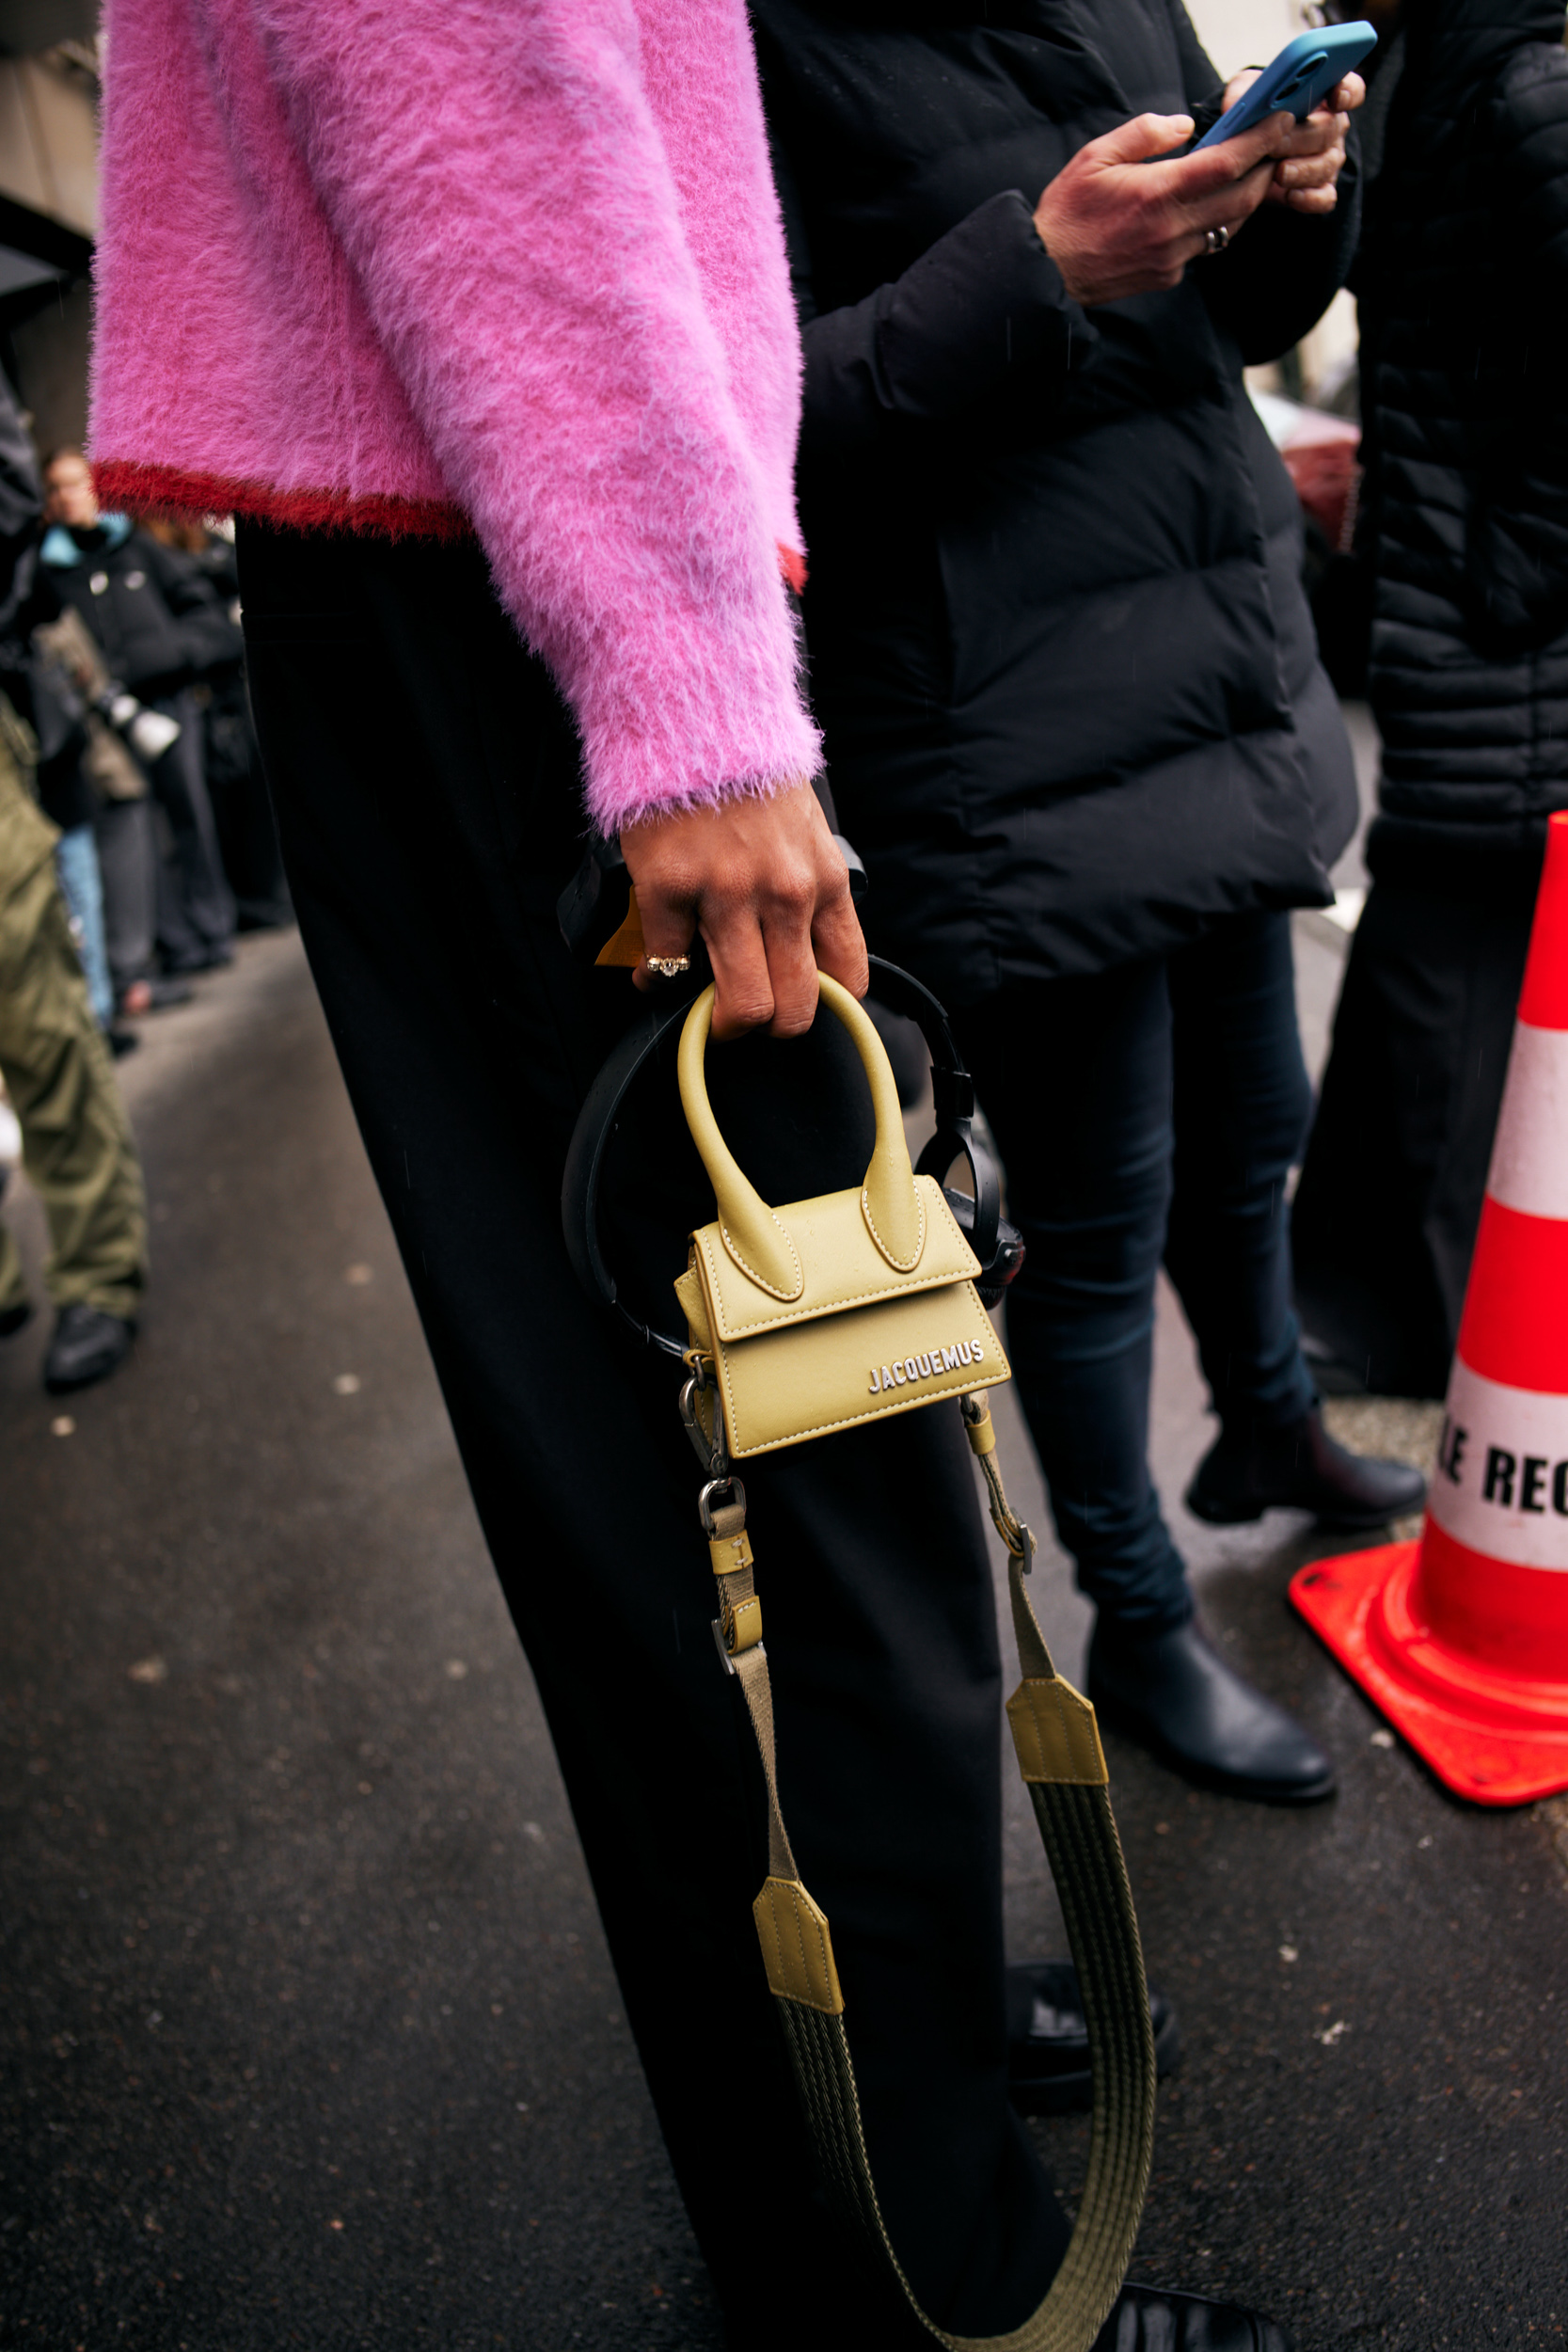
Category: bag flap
[841,1263]
[808,1380]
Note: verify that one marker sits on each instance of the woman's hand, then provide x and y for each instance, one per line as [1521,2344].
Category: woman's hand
[1305,177]
[764,885]
[1117,223]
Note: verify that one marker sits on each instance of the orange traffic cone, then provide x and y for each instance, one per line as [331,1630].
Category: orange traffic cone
[1462,1639]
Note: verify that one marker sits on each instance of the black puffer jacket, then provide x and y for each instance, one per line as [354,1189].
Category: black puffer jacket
[1463,282]
[153,612]
[1058,643]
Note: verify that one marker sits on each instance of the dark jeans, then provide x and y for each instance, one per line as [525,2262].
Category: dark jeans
[1153,1109]
[427,790]
[128,860]
[196,906]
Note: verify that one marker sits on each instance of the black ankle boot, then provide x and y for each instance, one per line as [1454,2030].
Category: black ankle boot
[1300,1468]
[1176,1695]
[1152,2319]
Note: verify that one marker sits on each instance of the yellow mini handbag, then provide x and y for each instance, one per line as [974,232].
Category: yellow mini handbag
[827,1312]
[810,1319]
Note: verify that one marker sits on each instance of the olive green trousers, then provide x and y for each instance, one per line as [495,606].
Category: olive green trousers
[76,1143]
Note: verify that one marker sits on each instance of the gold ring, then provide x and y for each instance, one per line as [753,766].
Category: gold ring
[668,967]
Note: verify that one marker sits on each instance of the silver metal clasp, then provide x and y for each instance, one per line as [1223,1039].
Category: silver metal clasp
[705,1501]
[709,1449]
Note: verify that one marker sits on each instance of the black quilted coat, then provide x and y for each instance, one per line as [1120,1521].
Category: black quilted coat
[1463,282]
[1068,679]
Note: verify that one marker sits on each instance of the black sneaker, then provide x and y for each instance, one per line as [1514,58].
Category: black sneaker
[87,1345]
[1155,2319]
[1048,2040]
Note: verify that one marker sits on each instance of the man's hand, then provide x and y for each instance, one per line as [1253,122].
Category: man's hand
[1118,224]
[763,883]
[1115,224]
[1313,156]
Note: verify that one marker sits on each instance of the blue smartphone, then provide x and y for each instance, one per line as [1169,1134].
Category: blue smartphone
[1300,78]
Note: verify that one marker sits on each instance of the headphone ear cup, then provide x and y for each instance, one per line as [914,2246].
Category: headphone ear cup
[1007,1259]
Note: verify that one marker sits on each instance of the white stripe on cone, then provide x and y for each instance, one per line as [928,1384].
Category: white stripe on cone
[1501,1481]
[1530,1158]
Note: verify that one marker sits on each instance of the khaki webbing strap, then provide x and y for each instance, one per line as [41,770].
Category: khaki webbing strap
[751,1669]
[1060,1759]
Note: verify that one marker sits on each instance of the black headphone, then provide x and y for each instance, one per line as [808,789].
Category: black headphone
[998,1244]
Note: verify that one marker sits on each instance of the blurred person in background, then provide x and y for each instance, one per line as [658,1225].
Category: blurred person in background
[68,691]
[42,690]
[1462,280]
[59,1078]
[236,783]
[1076,726]
[161,627]
[67,795]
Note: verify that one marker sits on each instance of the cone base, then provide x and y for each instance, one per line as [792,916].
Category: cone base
[1493,1739]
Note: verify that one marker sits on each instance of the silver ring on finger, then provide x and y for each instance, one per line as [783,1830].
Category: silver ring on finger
[1215,240]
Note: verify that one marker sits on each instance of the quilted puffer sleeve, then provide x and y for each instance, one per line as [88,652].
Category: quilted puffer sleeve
[1517,539]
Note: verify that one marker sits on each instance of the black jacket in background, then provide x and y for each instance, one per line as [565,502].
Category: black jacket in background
[1058,644]
[153,611]
[1463,283]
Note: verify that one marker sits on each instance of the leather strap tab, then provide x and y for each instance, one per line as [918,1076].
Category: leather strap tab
[796,1949]
[729,1553]
[743,1628]
[1055,1734]
[982,1433]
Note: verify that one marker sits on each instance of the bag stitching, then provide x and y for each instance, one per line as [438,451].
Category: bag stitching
[903,1266]
[955,1387]
[831,1306]
[761,1280]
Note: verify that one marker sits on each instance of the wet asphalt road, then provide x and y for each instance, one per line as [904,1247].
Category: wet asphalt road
[307,2034]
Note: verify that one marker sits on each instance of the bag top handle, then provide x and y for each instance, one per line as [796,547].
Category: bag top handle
[652,1037]
[753,1234]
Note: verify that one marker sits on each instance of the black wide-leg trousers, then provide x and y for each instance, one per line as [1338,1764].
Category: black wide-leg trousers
[426,781]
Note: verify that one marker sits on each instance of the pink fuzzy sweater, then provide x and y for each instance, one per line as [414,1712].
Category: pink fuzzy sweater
[513,265]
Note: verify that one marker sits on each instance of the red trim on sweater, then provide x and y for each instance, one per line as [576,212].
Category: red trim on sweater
[165,489]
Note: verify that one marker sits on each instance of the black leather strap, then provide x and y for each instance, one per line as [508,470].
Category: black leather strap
[659,1029]
[953,1090]
[591,1141]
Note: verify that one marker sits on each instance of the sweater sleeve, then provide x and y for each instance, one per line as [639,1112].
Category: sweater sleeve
[497,179]
[981,314]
